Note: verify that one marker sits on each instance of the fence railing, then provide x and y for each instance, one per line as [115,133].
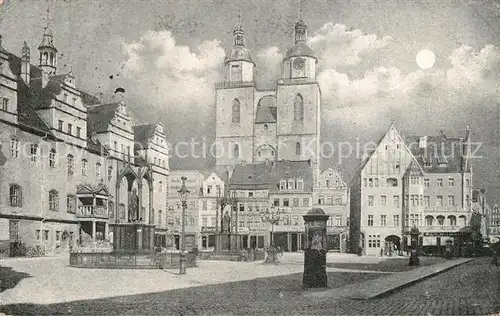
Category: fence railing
[92,211]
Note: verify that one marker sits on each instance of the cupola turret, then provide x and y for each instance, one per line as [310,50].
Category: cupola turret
[48,53]
[300,60]
[238,62]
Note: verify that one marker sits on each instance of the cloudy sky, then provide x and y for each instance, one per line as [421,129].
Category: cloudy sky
[168,54]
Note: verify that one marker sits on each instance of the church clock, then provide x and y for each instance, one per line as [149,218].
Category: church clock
[299,63]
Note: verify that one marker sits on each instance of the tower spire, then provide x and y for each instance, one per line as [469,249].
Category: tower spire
[47,24]
[238,33]
[301,18]
[301,26]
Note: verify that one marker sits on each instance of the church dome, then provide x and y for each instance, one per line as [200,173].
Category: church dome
[238,53]
[300,49]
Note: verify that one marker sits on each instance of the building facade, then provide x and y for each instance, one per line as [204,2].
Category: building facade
[421,181]
[331,194]
[194,184]
[283,123]
[213,188]
[494,224]
[63,152]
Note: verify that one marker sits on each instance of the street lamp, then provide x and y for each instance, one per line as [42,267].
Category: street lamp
[414,234]
[183,194]
[272,216]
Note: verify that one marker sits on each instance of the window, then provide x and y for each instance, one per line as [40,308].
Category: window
[52,158]
[329,200]
[467,182]
[392,182]
[71,164]
[440,220]
[266,127]
[236,151]
[5,104]
[53,200]
[192,205]
[383,220]
[74,99]
[338,220]
[370,183]
[205,205]
[427,201]
[65,97]
[395,220]
[110,173]
[217,188]
[451,182]
[373,241]
[291,184]
[467,199]
[14,147]
[462,220]
[33,152]
[209,189]
[236,111]
[38,234]
[300,185]
[383,200]
[242,207]
[298,108]
[60,125]
[305,202]
[46,234]
[297,149]
[407,220]
[370,200]
[98,170]
[429,220]
[14,230]
[439,200]
[453,220]
[426,183]
[204,222]
[276,202]
[70,128]
[321,200]
[282,185]
[58,235]
[79,132]
[250,194]
[370,220]
[84,167]
[377,184]
[15,195]
[439,182]
[286,202]
[295,221]
[451,200]
[395,200]
[415,180]
[296,202]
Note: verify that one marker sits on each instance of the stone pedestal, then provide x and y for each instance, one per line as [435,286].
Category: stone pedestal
[315,250]
[133,237]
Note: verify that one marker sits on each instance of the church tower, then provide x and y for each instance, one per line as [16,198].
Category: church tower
[48,53]
[235,104]
[299,102]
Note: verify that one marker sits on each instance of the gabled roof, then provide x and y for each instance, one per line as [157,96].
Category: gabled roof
[99,117]
[439,155]
[263,176]
[266,114]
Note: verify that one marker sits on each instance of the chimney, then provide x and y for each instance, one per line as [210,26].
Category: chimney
[25,64]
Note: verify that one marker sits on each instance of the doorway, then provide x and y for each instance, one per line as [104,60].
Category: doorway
[245,242]
[177,240]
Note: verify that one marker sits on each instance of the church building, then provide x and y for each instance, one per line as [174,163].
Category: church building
[255,126]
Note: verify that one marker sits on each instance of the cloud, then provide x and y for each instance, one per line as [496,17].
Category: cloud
[442,98]
[170,76]
[337,46]
[269,65]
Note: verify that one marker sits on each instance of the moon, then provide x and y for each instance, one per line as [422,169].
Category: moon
[425,59]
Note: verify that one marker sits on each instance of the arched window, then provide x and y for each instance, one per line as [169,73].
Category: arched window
[53,200]
[52,59]
[298,149]
[298,108]
[46,57]
[15,195]
[453,220]
[236,111]
[429,220]
[236,151]
[440,220]
[71,164]
[70,203]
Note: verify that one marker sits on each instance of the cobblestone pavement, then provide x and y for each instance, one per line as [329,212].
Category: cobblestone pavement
[391,264]
[470,289]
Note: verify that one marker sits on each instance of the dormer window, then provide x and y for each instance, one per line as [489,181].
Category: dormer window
[282,185]
[34,152]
